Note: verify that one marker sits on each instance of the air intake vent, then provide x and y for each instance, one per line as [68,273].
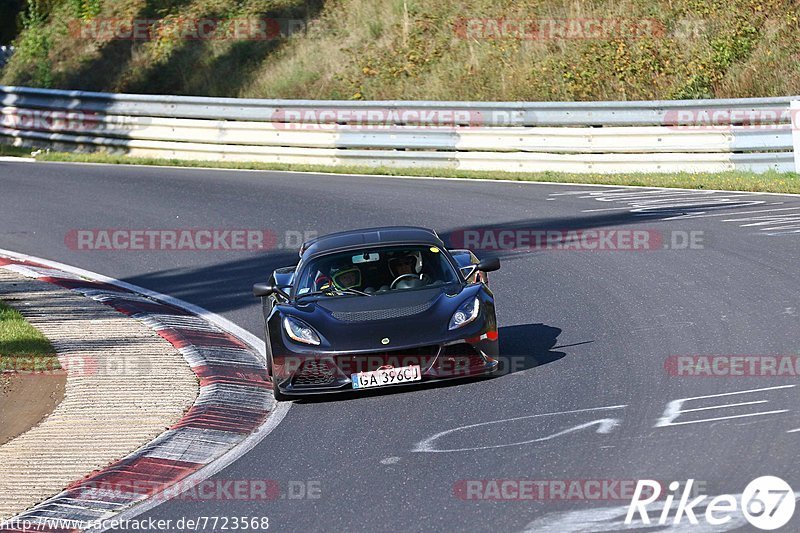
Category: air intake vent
[381,314]
[315,372]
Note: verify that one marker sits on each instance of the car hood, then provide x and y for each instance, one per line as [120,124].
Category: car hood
[405,318]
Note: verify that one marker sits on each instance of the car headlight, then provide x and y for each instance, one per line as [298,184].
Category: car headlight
[466,313]
[300,331]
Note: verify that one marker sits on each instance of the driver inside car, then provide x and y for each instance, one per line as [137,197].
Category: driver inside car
[341,277]
[346,277]
[409,266]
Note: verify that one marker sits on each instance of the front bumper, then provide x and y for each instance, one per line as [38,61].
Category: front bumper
[303,374]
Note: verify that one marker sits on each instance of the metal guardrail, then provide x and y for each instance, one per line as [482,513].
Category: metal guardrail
[660,136]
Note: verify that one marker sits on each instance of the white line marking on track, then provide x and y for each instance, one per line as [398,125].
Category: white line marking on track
[707,215]
[742,392]
[665,204]
[718,418]
[722,406]
[605,425]
[675,408]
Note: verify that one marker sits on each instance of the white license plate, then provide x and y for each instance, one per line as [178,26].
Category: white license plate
[387,376]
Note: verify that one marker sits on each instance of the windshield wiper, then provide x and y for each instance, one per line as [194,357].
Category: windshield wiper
[356,291]
[333,291]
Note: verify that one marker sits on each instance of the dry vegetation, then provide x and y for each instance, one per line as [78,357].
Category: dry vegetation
[412,49]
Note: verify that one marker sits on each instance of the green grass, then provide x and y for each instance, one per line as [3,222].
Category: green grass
[23,347]
[14,151]
[730,181]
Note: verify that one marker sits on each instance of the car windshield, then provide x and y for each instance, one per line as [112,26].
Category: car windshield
[376,271]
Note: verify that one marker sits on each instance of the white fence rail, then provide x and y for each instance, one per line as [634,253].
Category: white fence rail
[667,136]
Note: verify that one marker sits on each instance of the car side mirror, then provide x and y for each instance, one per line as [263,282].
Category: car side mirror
[488,265]
[263,289]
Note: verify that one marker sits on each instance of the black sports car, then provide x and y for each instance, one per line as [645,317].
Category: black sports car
[378,307]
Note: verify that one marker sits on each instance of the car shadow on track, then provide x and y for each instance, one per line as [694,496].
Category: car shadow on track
[527,346]
[522,347]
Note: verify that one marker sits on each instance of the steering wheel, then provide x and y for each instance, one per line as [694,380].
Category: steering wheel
[401,276]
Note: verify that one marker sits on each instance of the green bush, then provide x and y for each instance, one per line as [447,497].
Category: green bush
[411,49]
[34,44]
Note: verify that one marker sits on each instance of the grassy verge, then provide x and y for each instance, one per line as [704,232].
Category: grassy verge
[31,384]
[730,181]
[15,151]
[23,347]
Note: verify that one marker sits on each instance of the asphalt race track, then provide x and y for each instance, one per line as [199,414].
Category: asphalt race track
[587,334]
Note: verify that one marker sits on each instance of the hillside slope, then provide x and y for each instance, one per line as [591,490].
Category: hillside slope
[418,49]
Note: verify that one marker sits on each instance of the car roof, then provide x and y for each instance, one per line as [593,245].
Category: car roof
[370,236]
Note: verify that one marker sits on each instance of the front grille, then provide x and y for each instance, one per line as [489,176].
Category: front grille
[381,314]
[315,372]
[424,356]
